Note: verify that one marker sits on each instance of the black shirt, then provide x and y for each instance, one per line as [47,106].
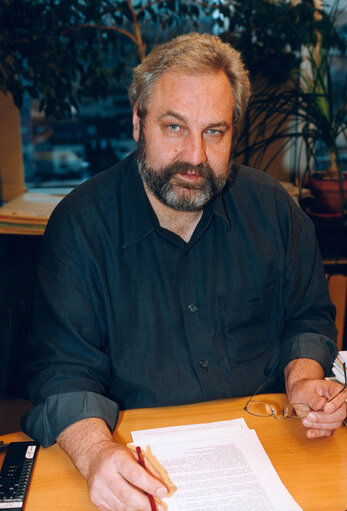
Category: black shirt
[129,315]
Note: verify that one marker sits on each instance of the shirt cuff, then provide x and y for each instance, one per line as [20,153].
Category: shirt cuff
[317,347]
[46,421]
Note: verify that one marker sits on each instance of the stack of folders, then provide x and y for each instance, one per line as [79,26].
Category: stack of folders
[28,213]
[338,366]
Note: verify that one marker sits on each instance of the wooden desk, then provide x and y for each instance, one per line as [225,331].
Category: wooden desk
[314,471]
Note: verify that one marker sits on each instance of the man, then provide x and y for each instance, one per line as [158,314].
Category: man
[174,278]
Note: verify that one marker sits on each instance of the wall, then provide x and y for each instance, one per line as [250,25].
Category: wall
[11,160]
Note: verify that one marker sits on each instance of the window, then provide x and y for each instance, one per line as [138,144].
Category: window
[66,152]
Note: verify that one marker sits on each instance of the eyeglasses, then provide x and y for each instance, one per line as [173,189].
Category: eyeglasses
[290,411]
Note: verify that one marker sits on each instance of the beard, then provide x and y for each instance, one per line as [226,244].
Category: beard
[172,191]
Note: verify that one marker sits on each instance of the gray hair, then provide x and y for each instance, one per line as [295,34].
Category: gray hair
[193,54]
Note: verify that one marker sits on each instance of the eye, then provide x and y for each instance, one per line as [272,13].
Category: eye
[174,127]
[212,131]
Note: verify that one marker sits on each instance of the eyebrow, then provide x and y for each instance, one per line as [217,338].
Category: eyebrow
[171,113]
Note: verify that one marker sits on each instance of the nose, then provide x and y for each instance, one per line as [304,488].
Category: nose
[194,150]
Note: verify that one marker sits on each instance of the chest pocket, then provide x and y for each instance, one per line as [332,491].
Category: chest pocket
[245,322]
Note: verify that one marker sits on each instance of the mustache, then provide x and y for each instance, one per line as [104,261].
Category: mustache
[203,170]
[182,167]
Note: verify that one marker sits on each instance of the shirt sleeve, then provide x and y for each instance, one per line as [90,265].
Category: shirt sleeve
[317,347]
[47,420]
[69,370]
[310,330]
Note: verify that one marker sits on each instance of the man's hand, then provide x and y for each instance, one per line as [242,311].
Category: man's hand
[305,384]
[115,479]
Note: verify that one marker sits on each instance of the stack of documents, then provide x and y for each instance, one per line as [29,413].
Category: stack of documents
[28,213]
[220,466]
[338,366]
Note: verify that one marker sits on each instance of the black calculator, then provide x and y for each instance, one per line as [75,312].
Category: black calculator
[16,473]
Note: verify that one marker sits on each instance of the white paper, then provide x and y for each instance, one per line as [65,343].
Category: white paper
[338,366]
[190,431]
[215,467]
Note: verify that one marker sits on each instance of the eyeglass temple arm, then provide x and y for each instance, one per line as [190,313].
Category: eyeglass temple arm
[255,393]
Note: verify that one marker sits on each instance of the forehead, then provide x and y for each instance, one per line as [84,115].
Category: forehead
[198,95]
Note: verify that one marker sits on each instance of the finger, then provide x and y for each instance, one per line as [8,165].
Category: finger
[119,495]
[327,388]
[318,433]
[320,418]
[149,465]
[338,415]
[141,478]
[317,403]
[337,402]
[104,497]
[328,426]
[130,496]
[110,502]
[326,392]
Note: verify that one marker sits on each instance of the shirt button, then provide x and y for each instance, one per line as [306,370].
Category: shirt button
[204,364]
[192,307]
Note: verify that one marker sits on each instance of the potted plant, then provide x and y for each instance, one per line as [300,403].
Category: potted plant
[324,122]
[306,112]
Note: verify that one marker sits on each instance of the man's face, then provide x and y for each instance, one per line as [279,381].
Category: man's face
[185,140]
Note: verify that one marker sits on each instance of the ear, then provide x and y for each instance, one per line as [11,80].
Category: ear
[136,124]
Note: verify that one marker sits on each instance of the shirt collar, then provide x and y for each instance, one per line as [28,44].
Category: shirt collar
[138,217]
[137,214]
[217,207]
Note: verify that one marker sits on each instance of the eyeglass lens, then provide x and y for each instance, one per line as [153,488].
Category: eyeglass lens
[263,409]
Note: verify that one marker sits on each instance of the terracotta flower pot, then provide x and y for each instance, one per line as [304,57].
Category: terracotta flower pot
[326,193]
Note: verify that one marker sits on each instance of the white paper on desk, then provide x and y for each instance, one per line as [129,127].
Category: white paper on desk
[338,366]
[180,433]
[214,468]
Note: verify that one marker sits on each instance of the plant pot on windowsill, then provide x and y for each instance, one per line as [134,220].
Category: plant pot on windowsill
[327,193]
